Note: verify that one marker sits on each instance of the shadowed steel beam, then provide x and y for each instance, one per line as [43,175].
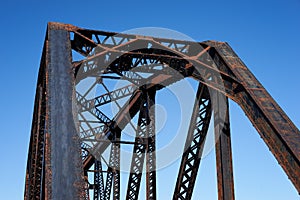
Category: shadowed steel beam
[66,164]
[113,95]
[113,171]
[98,181]
[54,167]
[223,147]
[84,103]
[38,180]
[122,118]
[194,145]
[116,169]
[35,172]
[145,143]
[151,151]
[130,108]
[138,156]
[109,180]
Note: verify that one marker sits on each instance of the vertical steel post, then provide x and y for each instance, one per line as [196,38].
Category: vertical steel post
[151,151]
[223,148]
[98,181]
[138,156]
[116,168]
[194,145]
[54,167]
[66,163]
[113,171]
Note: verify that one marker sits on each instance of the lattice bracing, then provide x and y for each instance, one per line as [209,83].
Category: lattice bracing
[194,145]
[73,130]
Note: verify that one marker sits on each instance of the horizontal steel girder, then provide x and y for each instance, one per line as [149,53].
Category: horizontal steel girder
[213,64]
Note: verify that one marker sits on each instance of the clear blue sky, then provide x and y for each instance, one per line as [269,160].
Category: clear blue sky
[265,34]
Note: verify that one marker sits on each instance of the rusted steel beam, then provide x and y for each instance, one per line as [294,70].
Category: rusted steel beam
[213,64]
[274,126]
[34,182]
[138,156]
[178,62]
[223,147]
[35,187]
[121,119]
[98,181]
[151,146]
[111,96]
[66,164]
[108,40]
[130,109]
[113,174]
[194,145]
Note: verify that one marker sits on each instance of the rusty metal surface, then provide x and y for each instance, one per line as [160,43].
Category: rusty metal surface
[223,148]
[276,129]
[194,145]
[113,175]
[34,184]
[54,167]
[66,167]
[151,146]
[138,157]
[98,181]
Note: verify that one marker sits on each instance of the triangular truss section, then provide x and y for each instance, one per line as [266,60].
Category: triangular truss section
[72,132]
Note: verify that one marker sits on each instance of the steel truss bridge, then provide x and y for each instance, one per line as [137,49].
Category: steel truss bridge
[70,131]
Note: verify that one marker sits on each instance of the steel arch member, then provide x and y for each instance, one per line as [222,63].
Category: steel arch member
[58,160]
